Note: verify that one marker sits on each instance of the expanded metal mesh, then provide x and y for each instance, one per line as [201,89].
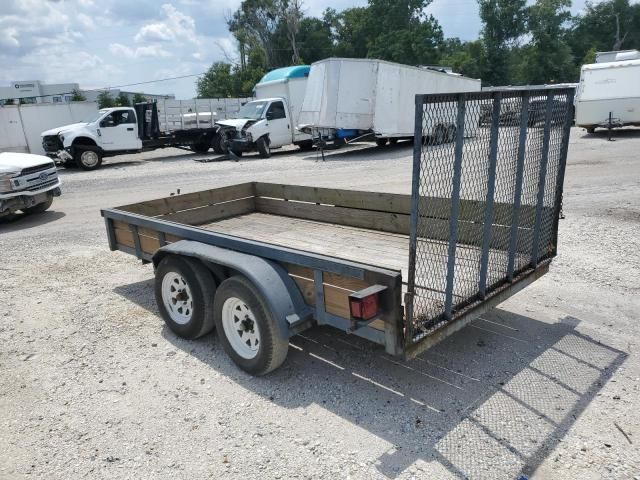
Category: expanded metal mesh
[487,184]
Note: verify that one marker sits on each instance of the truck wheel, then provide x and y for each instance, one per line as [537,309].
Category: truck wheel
[219,144]
[306,145]
[591,130]
[88,159]
[41,207]
[381,142]
[263,147]
[184,291]
[201,147]
[439,135]
[393,141]
[451,133]
[247,330]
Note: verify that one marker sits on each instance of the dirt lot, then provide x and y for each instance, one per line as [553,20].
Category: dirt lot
[92,385]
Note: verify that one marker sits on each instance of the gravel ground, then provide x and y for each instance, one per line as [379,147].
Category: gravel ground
[92,384]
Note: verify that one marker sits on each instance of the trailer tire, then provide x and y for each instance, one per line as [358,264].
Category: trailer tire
[247,330]
[381,142]
[393,141]
[180,277]
[263,147]
[591,130]
[41,207]
[87,158]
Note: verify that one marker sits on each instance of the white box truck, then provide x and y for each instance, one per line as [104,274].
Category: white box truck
[608,91]
[347,98]
[269,121]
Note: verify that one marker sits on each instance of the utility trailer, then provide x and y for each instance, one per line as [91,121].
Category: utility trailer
[262,262]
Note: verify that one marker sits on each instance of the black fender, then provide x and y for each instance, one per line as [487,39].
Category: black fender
[281,293]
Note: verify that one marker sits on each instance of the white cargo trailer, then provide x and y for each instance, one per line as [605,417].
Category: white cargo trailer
[608,91]
[348,97]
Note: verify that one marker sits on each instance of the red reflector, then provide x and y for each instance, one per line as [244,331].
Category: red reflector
[364,308]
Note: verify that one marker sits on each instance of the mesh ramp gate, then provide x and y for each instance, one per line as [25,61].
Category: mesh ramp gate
[488,170]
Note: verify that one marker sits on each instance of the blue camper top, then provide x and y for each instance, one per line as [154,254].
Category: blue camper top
[299,71]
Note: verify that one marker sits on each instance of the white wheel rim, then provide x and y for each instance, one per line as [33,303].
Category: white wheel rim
[177,298]
[240,327]
[89,158]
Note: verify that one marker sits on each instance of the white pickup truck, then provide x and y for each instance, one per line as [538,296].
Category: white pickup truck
[269,121]
[122,130]
[28,183]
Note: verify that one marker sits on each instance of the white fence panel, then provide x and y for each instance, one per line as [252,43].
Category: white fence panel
[12,137]
[196,113]
[36,118]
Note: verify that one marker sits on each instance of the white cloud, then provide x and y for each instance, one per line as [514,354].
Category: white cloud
[138,52]
[176,26]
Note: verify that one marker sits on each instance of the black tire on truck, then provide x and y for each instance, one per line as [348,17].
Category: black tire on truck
[248,332]
[305,145]
[263,147]
[381,142]
[41,207]
[184,291]
[87,158]
[202,146]
[219,143]
[393,141]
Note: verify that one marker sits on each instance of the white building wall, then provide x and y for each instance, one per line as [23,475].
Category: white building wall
[21,125]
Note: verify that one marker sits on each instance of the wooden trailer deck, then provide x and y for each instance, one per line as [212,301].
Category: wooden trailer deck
[372,247]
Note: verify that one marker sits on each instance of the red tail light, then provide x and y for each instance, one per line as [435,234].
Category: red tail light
[365,304]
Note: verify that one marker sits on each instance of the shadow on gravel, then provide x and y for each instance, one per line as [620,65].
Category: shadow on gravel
[492,401]
[23,221]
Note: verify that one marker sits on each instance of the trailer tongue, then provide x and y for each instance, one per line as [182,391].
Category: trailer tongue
[262,262]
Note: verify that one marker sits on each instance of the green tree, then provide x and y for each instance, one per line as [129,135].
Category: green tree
[139,98]
[77,96]
[504,22]
[350,31]
[314,39]
[604,26]
[463,57]
[226,80]
[105,100]
[547,58]
[122,100]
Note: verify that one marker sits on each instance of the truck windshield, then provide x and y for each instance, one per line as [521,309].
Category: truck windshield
[252,110]
[95,117]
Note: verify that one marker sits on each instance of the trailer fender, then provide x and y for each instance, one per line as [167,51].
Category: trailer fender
[281,293]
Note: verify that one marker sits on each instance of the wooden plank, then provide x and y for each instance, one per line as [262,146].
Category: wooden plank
[468,233]
[470,210]
[172,238]
[212,213]
[387,222]
[177,203]
[124,237]
[383,202]
[335,280]
[149,244]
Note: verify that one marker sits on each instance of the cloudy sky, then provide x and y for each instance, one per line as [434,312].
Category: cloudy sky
[99,43]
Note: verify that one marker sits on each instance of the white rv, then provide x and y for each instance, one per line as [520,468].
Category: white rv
[348,97]
[608,91]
